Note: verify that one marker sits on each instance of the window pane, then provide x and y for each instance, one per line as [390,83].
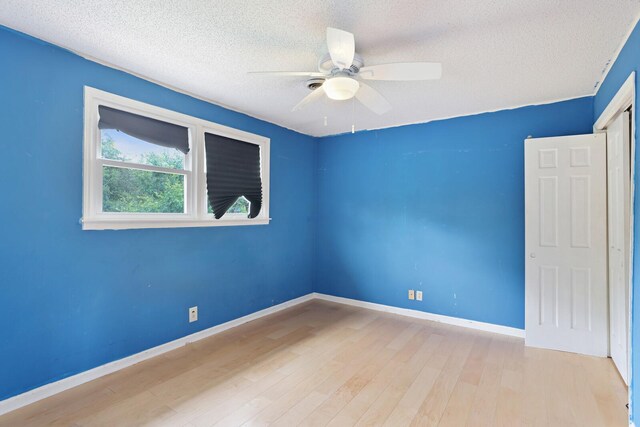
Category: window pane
[140,191]
[240,206]
[121,146]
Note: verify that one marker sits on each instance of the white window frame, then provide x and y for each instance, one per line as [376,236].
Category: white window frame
[196,214]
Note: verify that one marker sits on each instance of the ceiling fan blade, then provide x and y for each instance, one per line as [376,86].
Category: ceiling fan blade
[402,71]
[289,73]
[372,99]
[342,47]
[313,96]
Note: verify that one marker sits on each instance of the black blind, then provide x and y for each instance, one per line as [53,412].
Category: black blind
[233,170]
[145,128]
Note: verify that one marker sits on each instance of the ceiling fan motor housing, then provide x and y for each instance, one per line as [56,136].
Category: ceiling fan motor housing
[327,66]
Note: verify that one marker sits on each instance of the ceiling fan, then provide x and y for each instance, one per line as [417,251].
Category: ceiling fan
[342,70]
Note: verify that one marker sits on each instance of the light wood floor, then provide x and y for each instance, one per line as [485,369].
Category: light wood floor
[327,364]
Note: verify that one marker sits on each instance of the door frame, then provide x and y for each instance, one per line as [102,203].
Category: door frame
[625,98]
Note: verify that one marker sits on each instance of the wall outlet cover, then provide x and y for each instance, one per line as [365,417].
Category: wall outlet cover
[193,314]
[412,294]
[418,295]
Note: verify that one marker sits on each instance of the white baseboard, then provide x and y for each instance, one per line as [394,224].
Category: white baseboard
[488,327]
[50,389]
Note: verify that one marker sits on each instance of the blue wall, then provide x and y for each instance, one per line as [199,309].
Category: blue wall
[627,62]
[437,207]
[71,300]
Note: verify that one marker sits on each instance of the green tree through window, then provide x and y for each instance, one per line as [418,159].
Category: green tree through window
[138,191]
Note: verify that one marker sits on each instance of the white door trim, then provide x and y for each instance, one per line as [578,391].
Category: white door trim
[625,98]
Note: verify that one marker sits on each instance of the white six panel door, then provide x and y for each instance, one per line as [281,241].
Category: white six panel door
[565,244]
[618,183]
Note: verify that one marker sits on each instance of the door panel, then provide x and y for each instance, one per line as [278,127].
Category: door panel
[549,211]
[581,299]
[580,190]
[548,296]
[618,170]
[565,242]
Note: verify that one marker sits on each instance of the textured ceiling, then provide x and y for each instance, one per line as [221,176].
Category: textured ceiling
[495,53]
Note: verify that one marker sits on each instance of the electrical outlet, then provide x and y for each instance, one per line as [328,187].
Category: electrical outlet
[193,314]
[412,294]
[418,295]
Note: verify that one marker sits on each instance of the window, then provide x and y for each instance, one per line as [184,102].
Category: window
[147,167]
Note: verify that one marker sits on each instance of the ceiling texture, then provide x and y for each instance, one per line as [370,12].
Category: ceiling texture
[495,54]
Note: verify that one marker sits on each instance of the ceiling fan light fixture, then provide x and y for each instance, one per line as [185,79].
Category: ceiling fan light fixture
[341,88]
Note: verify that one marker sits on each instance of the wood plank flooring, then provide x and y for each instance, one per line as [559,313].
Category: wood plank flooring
[325,364]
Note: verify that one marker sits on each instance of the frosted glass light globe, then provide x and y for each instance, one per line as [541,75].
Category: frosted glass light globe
[341,88]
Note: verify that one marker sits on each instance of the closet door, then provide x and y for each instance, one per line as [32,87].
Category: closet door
[619,210]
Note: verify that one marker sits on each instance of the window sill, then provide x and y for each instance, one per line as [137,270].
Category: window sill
[110,224]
